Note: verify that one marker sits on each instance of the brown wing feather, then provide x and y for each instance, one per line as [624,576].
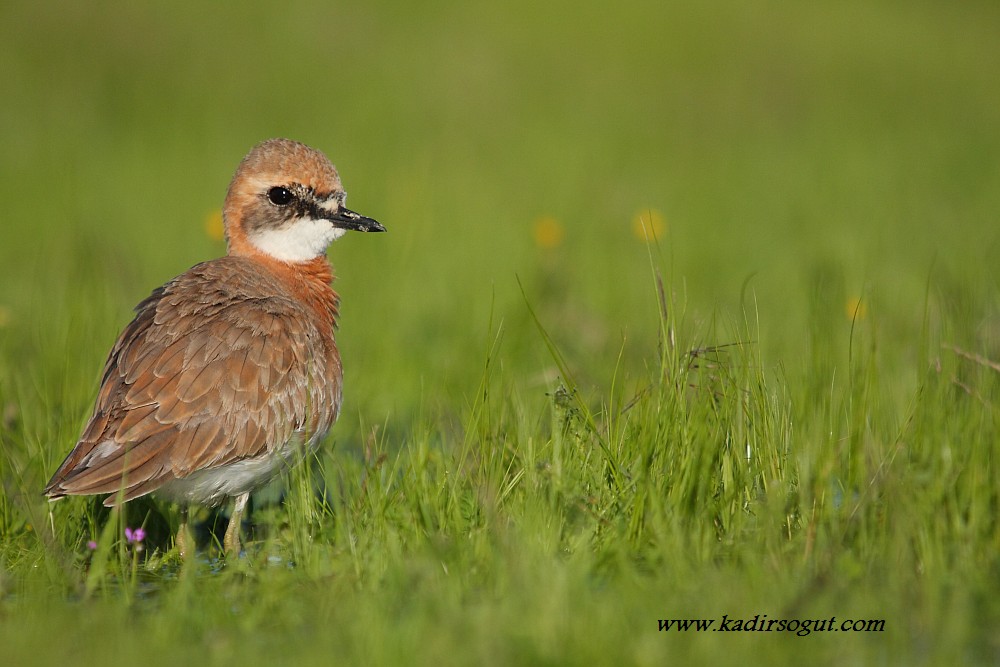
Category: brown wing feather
[221,364]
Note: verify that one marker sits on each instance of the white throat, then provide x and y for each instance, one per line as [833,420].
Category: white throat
[300,241]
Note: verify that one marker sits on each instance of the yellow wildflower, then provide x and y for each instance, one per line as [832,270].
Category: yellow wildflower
[649,225]
[548,232]
[213,225]
[856,308]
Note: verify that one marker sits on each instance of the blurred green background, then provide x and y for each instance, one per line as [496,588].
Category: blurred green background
[801,155]
[815,168]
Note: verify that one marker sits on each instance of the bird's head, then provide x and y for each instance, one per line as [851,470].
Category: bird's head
[286,202]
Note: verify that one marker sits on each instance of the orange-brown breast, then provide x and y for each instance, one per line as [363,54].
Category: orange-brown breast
[229,361]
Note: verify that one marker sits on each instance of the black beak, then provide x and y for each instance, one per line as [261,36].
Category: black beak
[348,219]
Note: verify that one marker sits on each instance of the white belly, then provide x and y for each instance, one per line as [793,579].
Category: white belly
[212,486]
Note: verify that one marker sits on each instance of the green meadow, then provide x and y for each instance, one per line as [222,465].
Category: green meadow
[685,311]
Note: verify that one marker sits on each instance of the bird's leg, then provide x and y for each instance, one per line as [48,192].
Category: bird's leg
[183,541]
[231,544]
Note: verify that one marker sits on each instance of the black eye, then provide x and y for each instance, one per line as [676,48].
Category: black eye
[280,196]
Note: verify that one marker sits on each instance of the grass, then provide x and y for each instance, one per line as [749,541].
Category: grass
[555,434]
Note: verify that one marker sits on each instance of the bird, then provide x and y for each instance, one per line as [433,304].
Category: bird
[229,373]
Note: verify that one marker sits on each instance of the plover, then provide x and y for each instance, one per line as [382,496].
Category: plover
[230,371]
